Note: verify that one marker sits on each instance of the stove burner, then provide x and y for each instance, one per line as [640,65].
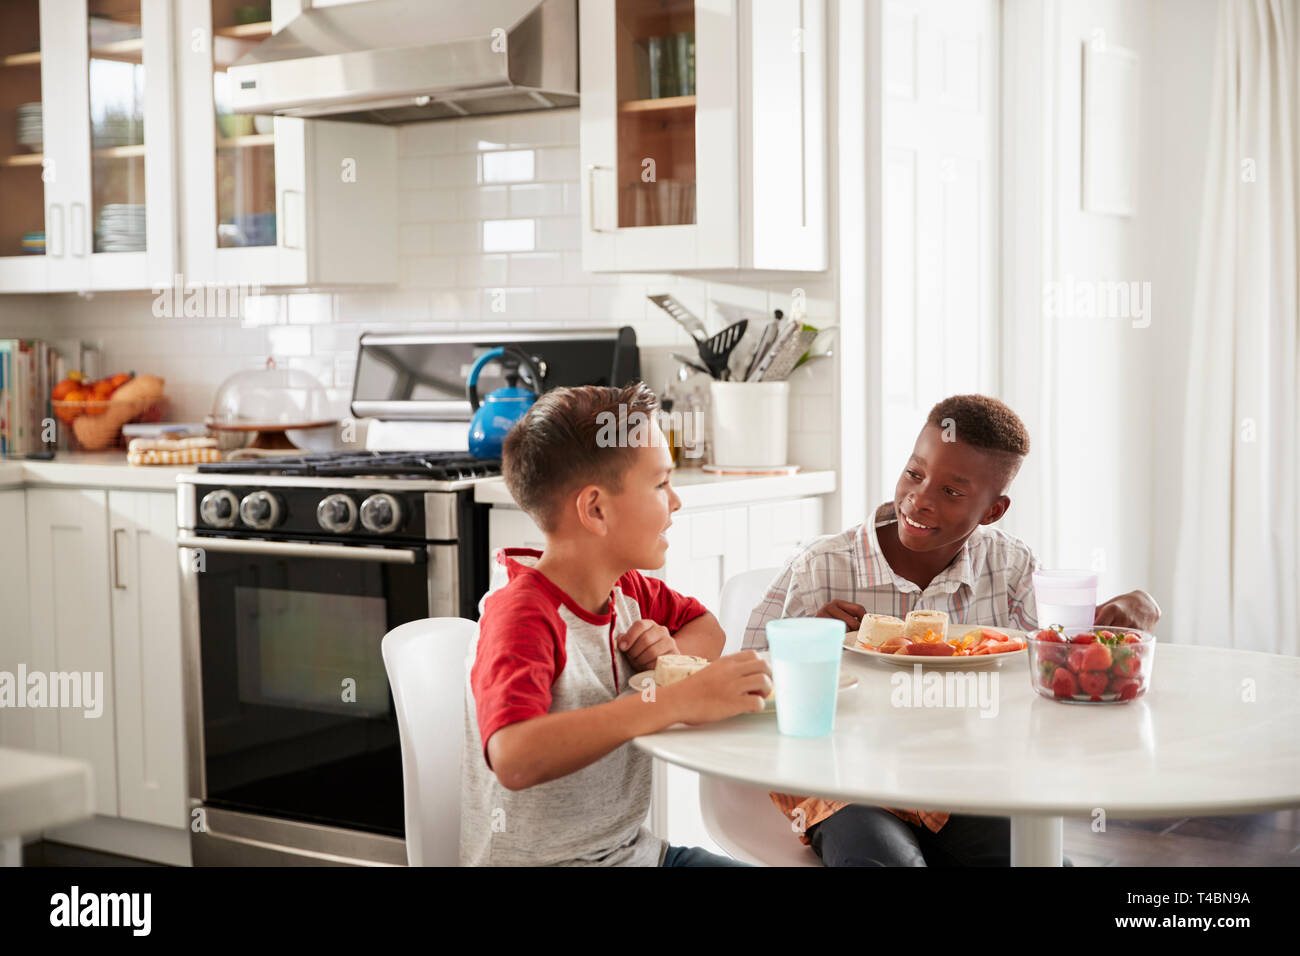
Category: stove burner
[440,465]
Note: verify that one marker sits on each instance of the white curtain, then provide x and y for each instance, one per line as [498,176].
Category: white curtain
[1236,562]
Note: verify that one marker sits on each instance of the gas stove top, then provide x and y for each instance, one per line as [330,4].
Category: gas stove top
[427,465]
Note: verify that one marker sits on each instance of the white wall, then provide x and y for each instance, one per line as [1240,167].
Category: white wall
[1105,410]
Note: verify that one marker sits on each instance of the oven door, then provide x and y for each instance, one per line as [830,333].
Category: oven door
[297,716]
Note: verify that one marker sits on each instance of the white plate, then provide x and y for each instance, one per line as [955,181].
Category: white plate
[955,630]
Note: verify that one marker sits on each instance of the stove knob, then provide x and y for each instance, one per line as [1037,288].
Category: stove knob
[381,514]
[337,513]
[219,509]
[260,510]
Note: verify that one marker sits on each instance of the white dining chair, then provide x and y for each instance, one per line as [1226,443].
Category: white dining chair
[745,822]
[740,595]
[425,661]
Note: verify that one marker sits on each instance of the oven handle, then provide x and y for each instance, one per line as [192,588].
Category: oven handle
[294,549]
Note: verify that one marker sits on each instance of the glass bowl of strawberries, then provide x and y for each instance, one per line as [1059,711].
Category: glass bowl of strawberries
[1102,665]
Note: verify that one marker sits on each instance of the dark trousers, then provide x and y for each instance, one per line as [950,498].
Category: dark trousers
[869,836]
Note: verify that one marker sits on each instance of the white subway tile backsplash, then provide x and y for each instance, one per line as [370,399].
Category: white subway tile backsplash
[509,235]
[455,238]
[458,169]
[478,271]
[426,139]
[558,164]
[459,305]
[415,239]
[289,340]
[559,233]
[429,205]
[428,272]
[561,303]
[507,305]
[263,310]
[507,166]
[537,199]
[484,202]
[481,133]
[310,308]
[544,128]
[415,172]
[536,268]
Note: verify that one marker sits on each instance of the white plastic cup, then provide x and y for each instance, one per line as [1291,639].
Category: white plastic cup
[1066,598]
[751,423]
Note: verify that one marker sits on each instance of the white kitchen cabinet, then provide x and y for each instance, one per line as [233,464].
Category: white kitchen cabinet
[71,628]
[95,179]
[275,201]
[17,727]
[719,163]
[145,586]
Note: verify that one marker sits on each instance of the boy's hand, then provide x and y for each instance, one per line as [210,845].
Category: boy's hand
[644,642]
[1135,609]
[846,611]
[735,684]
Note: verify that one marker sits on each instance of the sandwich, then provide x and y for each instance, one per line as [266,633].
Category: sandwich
[670,668]
[919,622]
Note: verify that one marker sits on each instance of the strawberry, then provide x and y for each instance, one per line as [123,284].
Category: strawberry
[1127,666]
[1105,635]
[1046,670]
[1064,683]
[1049,635]
[1075,660]
[1131,638]
[1093,683]
[1097,657]
[1128,689]
[1085,638]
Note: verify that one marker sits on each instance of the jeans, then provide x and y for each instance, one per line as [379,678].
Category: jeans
[695,856]
[869,836]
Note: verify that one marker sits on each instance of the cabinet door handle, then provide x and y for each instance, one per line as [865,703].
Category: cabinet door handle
[77,219]
[117,573]
[56,230]
[282,223]
[591,197]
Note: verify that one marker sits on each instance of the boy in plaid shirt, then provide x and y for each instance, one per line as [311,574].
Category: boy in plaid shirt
[931,548]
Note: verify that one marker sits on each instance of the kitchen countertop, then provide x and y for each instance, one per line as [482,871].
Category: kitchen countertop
[698,489]
[98,469]
[108,469]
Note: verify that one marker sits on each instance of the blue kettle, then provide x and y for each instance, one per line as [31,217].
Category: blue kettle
[502,407]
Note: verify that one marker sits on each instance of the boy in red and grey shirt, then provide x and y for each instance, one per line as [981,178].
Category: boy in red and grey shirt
[549,774]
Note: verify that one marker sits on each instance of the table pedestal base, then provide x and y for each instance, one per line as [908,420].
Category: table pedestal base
[1037,841]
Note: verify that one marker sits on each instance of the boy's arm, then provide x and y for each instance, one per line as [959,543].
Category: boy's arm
[545,748]
[702,637]
[1135,609]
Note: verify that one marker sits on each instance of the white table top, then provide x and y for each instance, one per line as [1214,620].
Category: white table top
[1191,746]
[40,790]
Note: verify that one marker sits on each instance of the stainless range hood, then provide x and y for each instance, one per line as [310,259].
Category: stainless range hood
[407,61]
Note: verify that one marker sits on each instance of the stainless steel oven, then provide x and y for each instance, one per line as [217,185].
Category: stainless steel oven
[292,736]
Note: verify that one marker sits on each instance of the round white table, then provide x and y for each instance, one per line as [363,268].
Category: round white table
[1218,732]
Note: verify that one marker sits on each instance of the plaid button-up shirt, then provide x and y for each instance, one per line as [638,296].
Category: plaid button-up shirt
[989,582]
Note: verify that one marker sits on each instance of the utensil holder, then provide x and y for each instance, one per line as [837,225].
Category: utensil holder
[750,423]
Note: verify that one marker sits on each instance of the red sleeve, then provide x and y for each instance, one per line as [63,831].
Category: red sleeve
[520,653]
[660,603]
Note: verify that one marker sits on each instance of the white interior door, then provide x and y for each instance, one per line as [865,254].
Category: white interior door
[939,180]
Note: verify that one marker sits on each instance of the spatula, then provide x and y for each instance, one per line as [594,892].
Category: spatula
[717,350]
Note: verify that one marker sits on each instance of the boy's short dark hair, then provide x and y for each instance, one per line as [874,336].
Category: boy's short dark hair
[984,422]
[554,448]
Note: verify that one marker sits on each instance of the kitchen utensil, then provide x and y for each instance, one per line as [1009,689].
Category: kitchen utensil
[716,351]
[820,347]
[750,423]
[503,406]
[682,316]
[764,342]
[691,363]
[786,330]
[788,356]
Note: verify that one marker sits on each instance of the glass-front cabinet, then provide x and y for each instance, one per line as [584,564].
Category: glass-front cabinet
[87,173]
[278,200]
[681,169]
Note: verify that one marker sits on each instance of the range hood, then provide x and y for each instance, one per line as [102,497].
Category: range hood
[407,61]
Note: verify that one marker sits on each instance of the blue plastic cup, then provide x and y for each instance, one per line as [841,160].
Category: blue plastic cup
[806,656]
